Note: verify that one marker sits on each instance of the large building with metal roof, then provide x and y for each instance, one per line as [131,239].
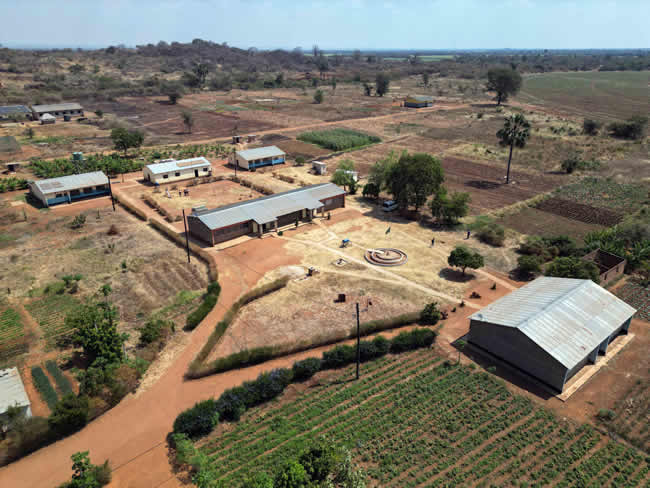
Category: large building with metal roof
[67,189]
[418,101]
[173,170]
[264,214]
[12,392]
[261,156]
[57,110]
[14,111]
[551,327]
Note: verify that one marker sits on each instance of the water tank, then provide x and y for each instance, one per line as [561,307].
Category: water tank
[77,156]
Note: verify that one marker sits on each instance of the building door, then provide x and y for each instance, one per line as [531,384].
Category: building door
[196,173]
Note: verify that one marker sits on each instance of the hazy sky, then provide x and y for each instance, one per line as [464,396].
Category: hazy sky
[345,24]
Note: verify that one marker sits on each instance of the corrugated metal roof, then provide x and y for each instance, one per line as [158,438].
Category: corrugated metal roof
[267,209]
[72,182]
[12,391]
[55,107]
[568,318]
[420,98]
[169,166]
[260,153]
[14,109]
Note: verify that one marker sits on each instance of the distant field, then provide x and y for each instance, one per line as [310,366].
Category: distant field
[601,95]
[426,59]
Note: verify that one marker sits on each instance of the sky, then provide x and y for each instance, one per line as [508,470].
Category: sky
[331,24]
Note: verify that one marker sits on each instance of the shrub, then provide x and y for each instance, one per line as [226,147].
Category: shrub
[590,127]
[488,231]
[319,461]
[209,301]
[633,128]
[376,348]
[408,341]
[430,314]
[69,415]
[319,96]
[266,387]
[605,414]
[231,404]
[259,480]
[154,330]
[292,475]
[44,387]
[569,267]
[113,230]
[305,369]
[300,161]
[528,265]
[78,222]
[569,165]
[339,356]
[62,382]
[198,420]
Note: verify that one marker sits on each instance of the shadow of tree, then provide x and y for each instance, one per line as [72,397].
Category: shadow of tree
[455,275]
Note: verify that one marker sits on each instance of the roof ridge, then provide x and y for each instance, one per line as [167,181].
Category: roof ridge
[557,299]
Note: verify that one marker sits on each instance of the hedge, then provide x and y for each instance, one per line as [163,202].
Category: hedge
[233,403]
[62,382]
[44,387]
[209,301]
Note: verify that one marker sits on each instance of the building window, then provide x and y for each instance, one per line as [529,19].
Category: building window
[205,169]
[328,201]
[59,195]
[88,190]
[165,177]
[178,173]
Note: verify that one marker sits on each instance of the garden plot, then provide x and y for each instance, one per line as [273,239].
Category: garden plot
[579,211]
[416,420]
[606,193]
[12,333]
[637,296]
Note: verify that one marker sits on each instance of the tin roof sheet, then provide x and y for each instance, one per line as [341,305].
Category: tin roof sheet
[14,109]
[55,107]
[568,318]
[420,98]
[168,166]
[267,209]
[12,391]
[260,153]
[71,182]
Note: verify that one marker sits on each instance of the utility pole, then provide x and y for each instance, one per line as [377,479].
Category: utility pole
[110,189]
[358,342]
[187,238]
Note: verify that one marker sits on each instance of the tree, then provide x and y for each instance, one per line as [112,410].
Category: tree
[529,265]
[590,127]
[379,171]
[344,177]
[633,128]
[76,69]
[333,84]
[515,132]
[463,258]
[259,480]
[447,208]
[503,81]
[123,139]
[381,83]
[570,164]
[96,332]
[425,78]
[188,120]
[201,71]
[318,96]
[430,314]
[367,88]
[69,415]
[413,179]
[174,92]
[99,113]
[370,190]
[292,475]
[29,132]
[87,475]
[572,267]
[279,79]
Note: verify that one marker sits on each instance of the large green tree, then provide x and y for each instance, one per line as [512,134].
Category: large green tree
[571,267]
[379,171]
[503,81]
[514,133]
[382,81]
[414,178]
[449,208]
[463,257]
[124,139]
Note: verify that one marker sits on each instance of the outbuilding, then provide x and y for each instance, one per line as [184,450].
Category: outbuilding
[57,110]
[12,393]
[264,214]
[14,112]
[551,327]
[319,167]
[262,156]
[418,101]
[67,189]
[610,266]
[47,119]
[171,170]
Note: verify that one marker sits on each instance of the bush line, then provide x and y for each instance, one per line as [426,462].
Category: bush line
[209,301]
[44,387]
[62,382]
[200,420]
[222,326]
[250,357]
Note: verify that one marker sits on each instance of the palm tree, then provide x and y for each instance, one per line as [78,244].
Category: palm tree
[515,132]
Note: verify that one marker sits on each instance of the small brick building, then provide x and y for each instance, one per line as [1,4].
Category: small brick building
[610,265]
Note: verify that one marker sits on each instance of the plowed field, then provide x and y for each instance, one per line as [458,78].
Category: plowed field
[580,212]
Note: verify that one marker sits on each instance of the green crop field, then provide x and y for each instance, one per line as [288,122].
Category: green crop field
[606,193]
[50,311]
[12,333]
[338,139]
[416,420]
[596,94]
[632,412]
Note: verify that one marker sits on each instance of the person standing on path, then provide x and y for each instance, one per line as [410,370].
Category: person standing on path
[468,233]
[433,241]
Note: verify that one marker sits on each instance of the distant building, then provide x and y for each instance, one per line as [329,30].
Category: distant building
[551,327]
[67,189]
[12,392]
[264,214]
[14,111]
[172,170]
[57,110]
[418,101]
[610,266]
[262,156]
[319,167]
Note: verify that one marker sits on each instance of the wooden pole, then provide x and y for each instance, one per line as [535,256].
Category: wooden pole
[110,189]
[358,342]
[187,237]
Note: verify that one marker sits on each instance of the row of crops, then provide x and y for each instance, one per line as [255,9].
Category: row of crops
[632,420]
[115,163]
[418,421]
[338,139]
[50,311]
[12,333]
[12,183]
[51,393]
[637,296]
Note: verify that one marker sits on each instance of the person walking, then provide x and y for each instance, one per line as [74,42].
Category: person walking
[433,241]
[468,233]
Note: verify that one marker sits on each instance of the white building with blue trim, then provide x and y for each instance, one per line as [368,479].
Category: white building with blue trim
[68,189]
[251,159]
